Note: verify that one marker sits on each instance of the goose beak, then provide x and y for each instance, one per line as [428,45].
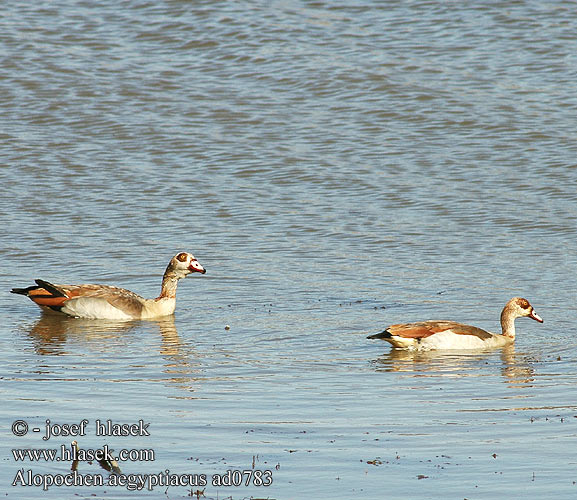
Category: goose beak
[535,316]
[195,267]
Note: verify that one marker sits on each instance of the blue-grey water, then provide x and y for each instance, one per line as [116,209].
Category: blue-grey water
[336,167]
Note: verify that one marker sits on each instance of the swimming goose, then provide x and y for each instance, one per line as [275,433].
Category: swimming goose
[110,302]
[452,335]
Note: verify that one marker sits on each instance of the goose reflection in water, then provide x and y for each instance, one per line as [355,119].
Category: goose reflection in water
[58,335]
[52,332]
[516,368]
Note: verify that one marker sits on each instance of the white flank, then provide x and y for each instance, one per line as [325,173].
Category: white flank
[93,308]
[450,340]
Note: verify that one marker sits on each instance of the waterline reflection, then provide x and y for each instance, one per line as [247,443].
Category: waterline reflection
[51,332]
[516,369]
[77,339]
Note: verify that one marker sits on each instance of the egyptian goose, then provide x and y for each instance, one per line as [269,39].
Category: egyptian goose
[426,335]
[110,302]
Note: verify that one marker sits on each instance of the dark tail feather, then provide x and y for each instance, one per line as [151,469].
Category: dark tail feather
[50,288]
[382,335]
[23,291]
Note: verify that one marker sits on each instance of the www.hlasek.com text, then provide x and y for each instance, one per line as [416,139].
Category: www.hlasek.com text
[64,454]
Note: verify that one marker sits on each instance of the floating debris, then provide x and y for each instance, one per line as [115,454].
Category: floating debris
[108,464]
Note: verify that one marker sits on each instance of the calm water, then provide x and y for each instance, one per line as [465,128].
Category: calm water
[336,167]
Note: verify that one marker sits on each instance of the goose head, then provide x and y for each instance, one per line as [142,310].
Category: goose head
[183,264]
[519,308]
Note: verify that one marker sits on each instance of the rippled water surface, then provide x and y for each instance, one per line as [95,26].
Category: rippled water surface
[336,167]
